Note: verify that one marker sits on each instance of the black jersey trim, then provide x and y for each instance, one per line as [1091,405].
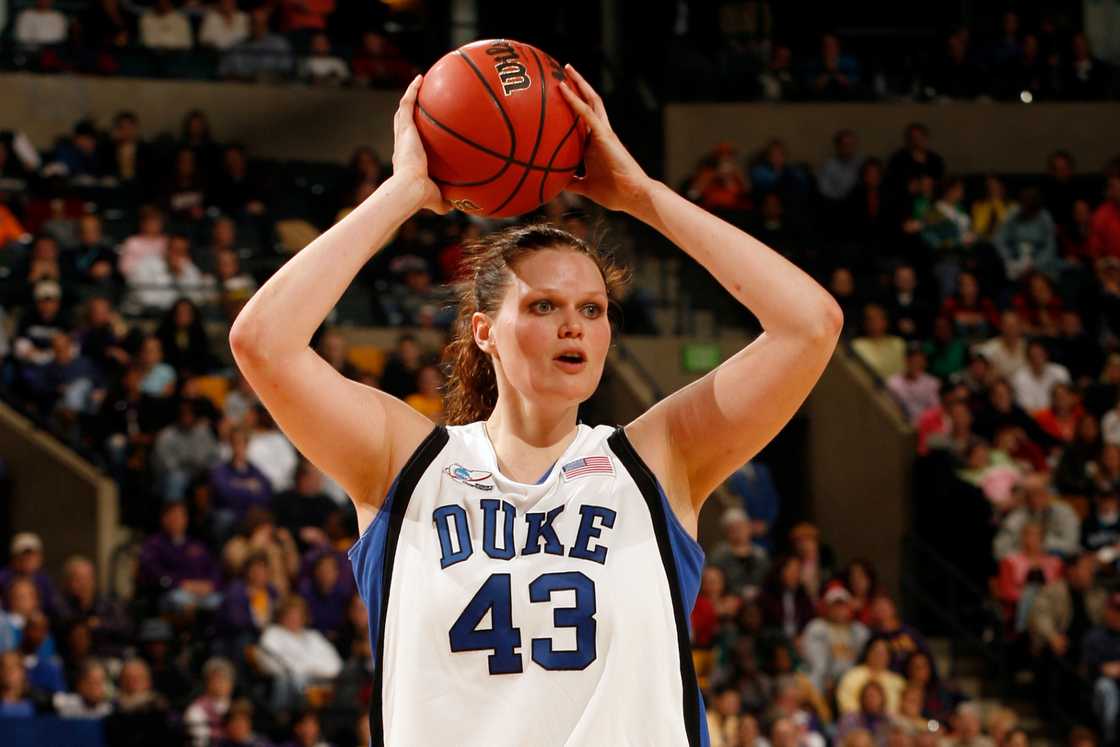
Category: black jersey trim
[409,476]
[647,484]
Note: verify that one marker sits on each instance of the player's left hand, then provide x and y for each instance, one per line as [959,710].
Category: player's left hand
[614,179]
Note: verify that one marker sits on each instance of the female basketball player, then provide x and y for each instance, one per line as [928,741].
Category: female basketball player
[529,579]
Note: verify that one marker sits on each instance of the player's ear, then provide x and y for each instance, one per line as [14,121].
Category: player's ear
[481,328]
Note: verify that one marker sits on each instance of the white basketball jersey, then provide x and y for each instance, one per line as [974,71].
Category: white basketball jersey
[504,614]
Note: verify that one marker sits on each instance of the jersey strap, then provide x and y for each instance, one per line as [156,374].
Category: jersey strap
[405,483]
[682,560]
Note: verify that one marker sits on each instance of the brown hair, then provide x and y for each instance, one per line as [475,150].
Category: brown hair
[472,388]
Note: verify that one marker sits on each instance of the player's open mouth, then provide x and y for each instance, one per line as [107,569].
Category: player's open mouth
[571,361]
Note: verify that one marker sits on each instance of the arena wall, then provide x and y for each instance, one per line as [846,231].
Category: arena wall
[58,495]
[972,136]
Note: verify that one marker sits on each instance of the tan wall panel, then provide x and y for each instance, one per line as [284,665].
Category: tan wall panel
[973,137]
[274,121]
[58,495]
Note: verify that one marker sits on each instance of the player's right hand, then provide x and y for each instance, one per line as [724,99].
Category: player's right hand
[410,162]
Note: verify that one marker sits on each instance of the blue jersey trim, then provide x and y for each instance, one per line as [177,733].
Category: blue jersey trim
[367,558]
[683,559]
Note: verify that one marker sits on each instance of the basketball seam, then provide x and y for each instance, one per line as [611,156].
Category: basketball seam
[487,151]
[556,152]
[540,133]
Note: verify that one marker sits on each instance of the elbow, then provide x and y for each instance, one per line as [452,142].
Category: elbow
[827,322]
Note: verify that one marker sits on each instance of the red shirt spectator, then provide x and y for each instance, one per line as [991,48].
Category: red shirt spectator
[1061,418]
[380,63]
[1016,569]
[974,316]
[1104,231]
[301,15]
[1039,306]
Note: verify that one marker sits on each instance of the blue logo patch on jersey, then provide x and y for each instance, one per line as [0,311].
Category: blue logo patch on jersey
[467,476]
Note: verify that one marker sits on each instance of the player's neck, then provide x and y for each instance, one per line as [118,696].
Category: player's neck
[527,440]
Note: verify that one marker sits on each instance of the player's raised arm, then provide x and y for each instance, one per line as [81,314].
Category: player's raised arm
[357,435]
[699,435]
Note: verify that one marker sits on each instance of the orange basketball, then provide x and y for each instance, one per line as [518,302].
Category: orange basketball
[500,137]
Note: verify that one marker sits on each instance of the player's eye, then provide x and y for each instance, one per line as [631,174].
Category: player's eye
[542,306]
[592,310]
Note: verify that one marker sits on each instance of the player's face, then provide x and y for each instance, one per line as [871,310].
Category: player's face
[551,334]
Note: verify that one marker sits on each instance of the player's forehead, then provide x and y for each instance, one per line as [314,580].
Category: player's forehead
[558,270]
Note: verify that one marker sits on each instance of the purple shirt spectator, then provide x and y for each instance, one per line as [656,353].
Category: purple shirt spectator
[237,487]
[916,390]
[170,558]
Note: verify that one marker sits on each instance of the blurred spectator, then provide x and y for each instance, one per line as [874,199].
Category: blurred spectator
[183,450]
[871,719]
[238,727]
[14,688]
[1059,190]
[777,81]
[155,283]
[1086,77]
[833,642]
[744,564]
[1008,352]
[79,157]
[165,28]
[294,655]
[428,399]
[883,352]
[916,390]
[306,15]
[786,605]
[966,730]
[248,604]
[715,607]
[239,401]
[1104,231]
[723,717]
[105,25]
[873,667]
[989,212]
[223,26]
[399,378]
[974,317]
[1061,528]
[44,667]
[237,484]
[157,378]
[835,76]
[914,159]
[1063,612]
[754,486]
[957,76]
[90,698]
[1100,530]
[993,471]
[816,559]
[1039,307]
[27,563]
[903,640]
[195,134]
[130,158]
[303,510]
[946,352]
[327,594]
[774,173]
[1101,659]
[1023,572]
[183,192]
[306,731]
[1061,418]
[320,66]
[235,287]
[258,534]
[185,344]
[141,715]
[151,241]
[379,63]
[263,55]
[204,718]
[1034,382]
[720,183]
[270,450]
[82,604]
[1081,354]
[1075,238]
[840,173]
[40,25]
[1027,239]
[237,191]
[935,700]
[175,567]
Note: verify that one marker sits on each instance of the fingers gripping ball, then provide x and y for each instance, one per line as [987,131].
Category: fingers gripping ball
[500,138]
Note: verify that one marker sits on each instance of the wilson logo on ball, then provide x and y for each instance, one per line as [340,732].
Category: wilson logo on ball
[511,70]
[467,206]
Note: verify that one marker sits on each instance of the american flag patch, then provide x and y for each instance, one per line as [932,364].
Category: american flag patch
[591,465]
